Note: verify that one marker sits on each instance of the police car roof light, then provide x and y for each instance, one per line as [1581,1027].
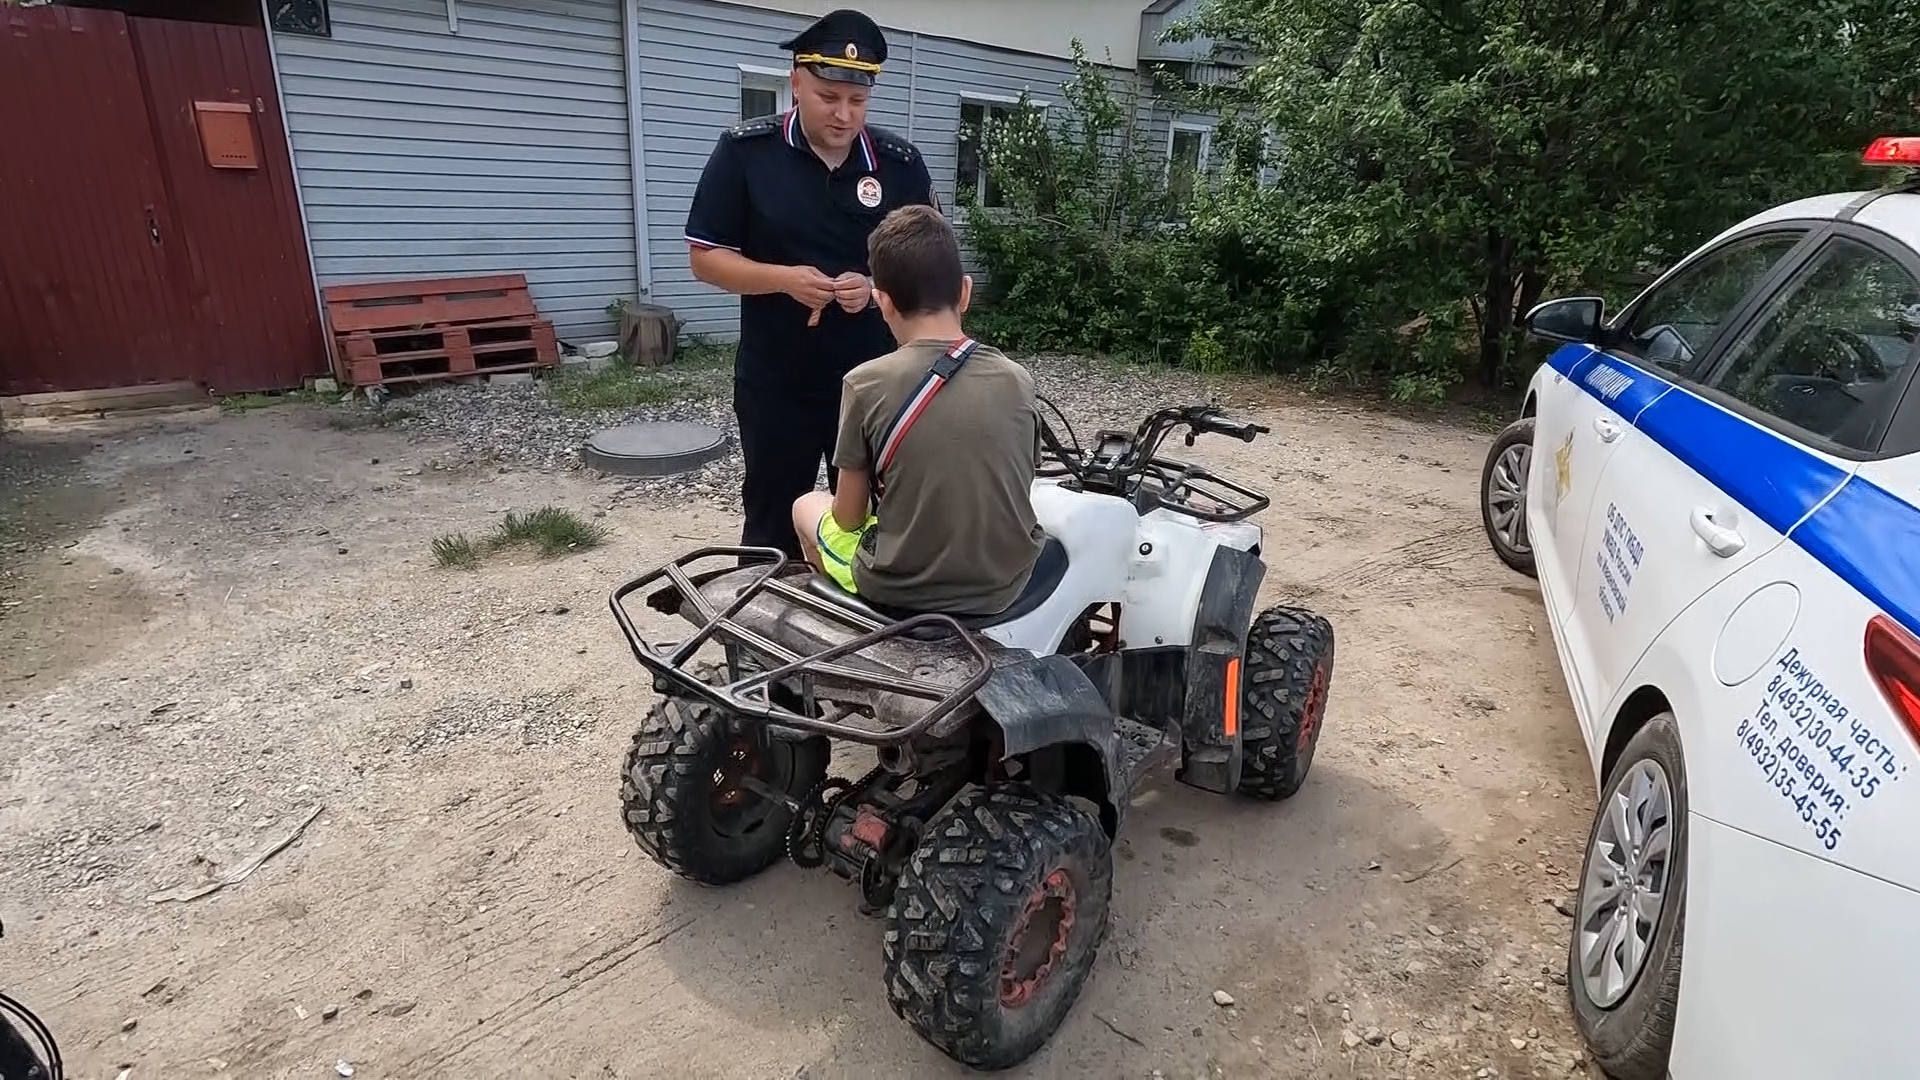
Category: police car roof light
[1893,657]
[1898,150]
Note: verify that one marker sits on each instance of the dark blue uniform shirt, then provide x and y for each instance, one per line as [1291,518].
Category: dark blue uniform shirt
[765,195]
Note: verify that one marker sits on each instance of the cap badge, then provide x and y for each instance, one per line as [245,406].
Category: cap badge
[868,191]
[853,51]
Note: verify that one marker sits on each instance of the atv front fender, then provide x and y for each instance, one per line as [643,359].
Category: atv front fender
[1048,701]
[1211,759]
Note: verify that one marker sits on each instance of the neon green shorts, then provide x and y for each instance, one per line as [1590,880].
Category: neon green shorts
[837,546]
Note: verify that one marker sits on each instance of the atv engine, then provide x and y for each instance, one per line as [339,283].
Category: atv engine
[864,831]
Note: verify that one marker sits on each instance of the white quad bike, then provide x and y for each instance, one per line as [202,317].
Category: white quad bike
[1007,746]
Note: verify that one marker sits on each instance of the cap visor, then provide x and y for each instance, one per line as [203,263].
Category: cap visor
[840,74]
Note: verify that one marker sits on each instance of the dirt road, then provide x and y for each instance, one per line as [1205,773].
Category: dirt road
[212,625]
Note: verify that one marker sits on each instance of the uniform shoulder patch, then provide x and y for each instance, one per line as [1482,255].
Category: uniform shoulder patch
[893,146]
[753,129]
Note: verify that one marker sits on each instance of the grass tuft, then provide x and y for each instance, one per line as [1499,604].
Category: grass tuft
[455,550]
[701,368]
[550,529]
[361,419]
[240,403]
[617,386]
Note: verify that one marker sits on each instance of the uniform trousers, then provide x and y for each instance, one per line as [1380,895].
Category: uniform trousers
[784,437]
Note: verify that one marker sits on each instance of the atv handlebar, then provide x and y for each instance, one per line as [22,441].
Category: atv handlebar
[1208,420]
[1130,466]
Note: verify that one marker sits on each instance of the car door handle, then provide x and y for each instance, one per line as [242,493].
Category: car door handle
[1607,429]
[1721,540]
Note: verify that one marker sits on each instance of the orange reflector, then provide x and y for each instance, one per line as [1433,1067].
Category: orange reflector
[1233,697]
[1894,150]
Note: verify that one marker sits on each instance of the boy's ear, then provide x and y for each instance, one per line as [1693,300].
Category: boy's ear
[887,308]
[966,292]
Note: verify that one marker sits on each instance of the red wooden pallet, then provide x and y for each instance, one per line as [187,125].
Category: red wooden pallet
[416,331]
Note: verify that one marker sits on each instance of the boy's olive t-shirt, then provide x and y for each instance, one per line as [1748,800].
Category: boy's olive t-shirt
[956,532]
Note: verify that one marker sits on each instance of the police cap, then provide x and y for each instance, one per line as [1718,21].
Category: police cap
[842,45]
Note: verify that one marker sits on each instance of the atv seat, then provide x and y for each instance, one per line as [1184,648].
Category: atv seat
[1048,572]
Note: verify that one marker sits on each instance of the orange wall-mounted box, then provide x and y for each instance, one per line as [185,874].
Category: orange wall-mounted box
[226,134]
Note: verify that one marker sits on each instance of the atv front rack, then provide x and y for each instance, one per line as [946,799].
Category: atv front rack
[839,667]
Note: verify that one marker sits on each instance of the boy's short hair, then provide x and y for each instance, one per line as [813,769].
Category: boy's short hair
[915,258]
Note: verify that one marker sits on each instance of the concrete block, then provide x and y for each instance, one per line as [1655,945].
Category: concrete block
[597,349]
[510,378]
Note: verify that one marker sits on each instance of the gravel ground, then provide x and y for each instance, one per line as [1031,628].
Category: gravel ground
[519,424]
[213,626]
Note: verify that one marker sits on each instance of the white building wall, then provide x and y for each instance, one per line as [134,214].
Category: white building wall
[497,147]
[1108,29]
[686,105]
[501,145]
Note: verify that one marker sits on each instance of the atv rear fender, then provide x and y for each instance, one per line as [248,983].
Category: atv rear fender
[1209,716]
[1042,702]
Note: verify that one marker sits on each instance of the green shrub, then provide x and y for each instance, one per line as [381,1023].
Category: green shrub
[1436,171]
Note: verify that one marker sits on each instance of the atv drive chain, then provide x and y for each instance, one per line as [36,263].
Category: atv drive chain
[806,837]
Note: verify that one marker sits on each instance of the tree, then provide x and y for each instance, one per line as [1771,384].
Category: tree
[1444,162]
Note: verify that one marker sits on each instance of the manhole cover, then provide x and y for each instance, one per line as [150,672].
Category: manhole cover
[653,449]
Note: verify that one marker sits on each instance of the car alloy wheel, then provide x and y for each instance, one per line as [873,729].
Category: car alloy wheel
[1506,496]
[1629,871]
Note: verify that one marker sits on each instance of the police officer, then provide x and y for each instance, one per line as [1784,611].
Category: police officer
[781,218]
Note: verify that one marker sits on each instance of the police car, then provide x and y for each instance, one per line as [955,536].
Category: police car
[1718,489]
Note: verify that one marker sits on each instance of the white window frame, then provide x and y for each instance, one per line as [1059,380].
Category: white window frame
[988,101]
[777,81]
[1206,143]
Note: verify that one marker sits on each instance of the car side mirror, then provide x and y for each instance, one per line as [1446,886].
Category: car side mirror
[1574,319]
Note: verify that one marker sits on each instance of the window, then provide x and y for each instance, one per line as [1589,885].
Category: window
[301,17]
[977,121]
[1826,353]
[764,92]
[1187,147]
[1675,323]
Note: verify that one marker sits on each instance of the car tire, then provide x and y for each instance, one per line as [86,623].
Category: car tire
[1627,1017]
[1511,453]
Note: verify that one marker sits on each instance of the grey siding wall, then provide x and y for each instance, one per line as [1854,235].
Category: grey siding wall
[685,106]
[501,148]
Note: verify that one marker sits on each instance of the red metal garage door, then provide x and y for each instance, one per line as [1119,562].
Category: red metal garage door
[127,255]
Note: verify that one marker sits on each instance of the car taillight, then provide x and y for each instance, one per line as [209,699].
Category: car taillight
[1893,657]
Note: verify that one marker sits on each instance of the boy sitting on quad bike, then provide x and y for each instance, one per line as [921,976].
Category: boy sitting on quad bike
[957,533]
[1012,687]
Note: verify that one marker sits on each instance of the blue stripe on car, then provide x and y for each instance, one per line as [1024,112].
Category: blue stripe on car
[1866,535]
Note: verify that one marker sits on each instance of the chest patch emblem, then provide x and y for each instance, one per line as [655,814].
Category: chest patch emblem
[868,191]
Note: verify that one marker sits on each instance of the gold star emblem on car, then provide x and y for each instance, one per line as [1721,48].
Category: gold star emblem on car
[1563,465]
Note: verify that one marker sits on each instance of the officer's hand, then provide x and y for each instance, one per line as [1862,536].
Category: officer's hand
[851,290]
[812,288]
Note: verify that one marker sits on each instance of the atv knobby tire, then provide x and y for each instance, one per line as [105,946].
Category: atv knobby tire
[995,923]
[681,810]
[1284,677]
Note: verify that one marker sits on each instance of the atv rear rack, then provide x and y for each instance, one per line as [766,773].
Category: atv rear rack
[752,696]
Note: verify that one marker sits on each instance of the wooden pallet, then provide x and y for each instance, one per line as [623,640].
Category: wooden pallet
[449,328]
